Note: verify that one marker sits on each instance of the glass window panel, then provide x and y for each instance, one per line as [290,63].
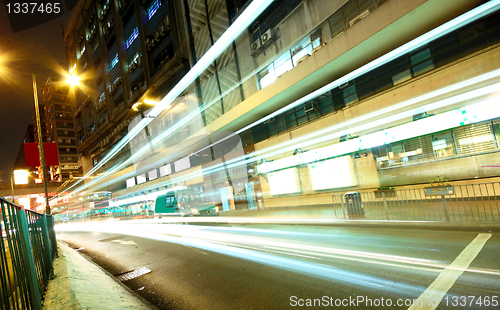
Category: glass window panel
[313,114]
[351,99]
[350,10]
[420,56]
[269,78]
[337,28]
[316,43]
[365,93]
[301,112]
[401,77]
[326,109]
[399,65]
[272,129]
[442,144]
[281,125]
[303,52]
[382,85]
[284,67]
[364,5]
[396,155]
[291,121]
[473,38]
[492,25]
[423,67]
[302,120]
[282,59]
[446,49]
[335,18]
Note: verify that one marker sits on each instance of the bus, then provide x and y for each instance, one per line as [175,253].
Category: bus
[185,202]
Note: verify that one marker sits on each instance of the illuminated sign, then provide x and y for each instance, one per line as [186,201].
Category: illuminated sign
[130,182]
[333,173]
[284,181]
[165,170]
[21,176]
[182,164]
[141,178]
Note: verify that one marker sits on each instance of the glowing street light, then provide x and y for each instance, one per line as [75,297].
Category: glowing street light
[73,79]
[21,176]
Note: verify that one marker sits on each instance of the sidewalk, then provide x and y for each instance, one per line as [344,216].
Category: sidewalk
[80,284]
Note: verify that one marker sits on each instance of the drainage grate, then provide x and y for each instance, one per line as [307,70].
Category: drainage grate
[133,274]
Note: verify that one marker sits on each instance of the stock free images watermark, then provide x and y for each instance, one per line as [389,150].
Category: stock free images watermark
[365,301]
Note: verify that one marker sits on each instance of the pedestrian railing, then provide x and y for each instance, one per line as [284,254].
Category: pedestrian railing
[471,202]
[28,247]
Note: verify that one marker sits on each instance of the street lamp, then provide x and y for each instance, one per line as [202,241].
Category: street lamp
[73,79]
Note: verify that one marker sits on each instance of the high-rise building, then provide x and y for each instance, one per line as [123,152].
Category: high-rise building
[58,125]
[347,94]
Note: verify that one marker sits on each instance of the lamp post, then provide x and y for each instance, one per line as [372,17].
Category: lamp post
[40,146]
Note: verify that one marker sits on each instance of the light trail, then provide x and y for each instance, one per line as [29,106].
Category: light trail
[251,12]
[224,236]
[298,266]
[452,25]
[348,146]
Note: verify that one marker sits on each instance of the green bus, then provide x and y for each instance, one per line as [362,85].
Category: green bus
[185,202]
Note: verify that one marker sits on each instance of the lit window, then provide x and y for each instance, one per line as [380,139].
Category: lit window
[113,62]
[153,8]
[132,37]
[267,76]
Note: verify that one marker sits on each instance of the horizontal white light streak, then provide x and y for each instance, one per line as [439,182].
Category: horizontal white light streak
[478,112]
[251,12]
[321,271]
[144,197]
[452,25]
[442,30]
[352,145]
[225,236]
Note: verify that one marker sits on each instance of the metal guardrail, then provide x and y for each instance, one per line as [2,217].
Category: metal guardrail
[471,202]
[28,247]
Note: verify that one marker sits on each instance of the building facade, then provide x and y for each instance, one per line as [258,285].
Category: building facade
[57,120]
[322,85]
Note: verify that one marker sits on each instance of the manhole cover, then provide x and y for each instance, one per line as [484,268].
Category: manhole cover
[133,274]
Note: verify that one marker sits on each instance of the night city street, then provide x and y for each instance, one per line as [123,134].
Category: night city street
[249,154]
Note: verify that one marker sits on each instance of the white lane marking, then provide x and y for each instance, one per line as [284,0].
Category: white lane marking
[188,246]
[124,242]
[433,295]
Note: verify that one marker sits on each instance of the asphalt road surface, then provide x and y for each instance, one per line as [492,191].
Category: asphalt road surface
[293,266]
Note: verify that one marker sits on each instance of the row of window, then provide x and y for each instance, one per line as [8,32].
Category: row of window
[458,44]
[347,15]
[462,141]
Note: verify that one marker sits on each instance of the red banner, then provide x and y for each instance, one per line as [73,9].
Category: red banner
[31,153]
[50,150]
[33,158]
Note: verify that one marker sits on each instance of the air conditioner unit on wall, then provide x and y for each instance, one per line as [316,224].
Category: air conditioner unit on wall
[359,17]
[267,37]
[255,46]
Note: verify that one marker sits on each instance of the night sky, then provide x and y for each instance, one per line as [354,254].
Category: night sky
[38,50]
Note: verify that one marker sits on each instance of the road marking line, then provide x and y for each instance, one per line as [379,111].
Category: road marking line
[432,296]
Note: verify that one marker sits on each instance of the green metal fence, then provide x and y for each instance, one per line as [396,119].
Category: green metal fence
[28,247]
